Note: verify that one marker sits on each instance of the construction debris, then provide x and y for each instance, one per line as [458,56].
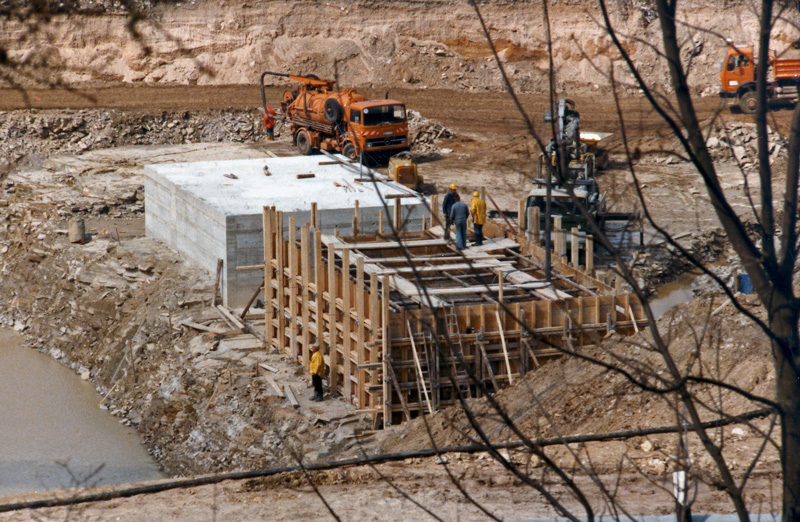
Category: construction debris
[423,133]
[738,141]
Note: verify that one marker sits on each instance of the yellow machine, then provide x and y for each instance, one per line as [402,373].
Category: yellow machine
[403,170]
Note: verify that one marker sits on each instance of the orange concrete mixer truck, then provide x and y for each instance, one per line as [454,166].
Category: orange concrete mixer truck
[738,78]
[319,117]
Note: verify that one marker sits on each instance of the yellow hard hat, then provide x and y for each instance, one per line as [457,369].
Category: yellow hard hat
[453,186]
[475,194]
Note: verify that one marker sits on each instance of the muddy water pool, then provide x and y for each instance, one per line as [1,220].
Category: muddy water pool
[53,433]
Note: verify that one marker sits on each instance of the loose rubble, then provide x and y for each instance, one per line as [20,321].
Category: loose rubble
[738,141]
[423,133]
[33,134]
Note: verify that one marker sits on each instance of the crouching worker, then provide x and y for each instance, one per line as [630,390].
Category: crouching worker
[317,369]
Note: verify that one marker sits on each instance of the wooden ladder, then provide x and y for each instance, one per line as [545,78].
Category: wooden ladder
[422,364]
[456,351]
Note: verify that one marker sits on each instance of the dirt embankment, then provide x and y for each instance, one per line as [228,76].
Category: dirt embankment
[420,44]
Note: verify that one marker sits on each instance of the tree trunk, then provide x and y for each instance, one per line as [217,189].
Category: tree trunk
[787,360]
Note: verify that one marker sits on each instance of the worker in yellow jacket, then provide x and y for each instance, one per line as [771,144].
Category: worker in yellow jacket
[317,369]
[477,208]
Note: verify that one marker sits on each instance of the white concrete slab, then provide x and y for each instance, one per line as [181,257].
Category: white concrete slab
[332,187]
[211,210]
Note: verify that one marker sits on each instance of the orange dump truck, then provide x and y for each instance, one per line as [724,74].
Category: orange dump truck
[738,77]
[319,117]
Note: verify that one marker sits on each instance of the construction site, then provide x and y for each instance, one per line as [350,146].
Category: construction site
[181,243]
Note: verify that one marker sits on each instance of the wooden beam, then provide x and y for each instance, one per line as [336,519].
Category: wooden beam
[338,244]
[332,319]
[361,315]
[280,251]
[305,275]
[505,348]
[477,265]
[314,215]
[319,283]
[244,325]
[386,347]
[249,267]
[398,216]
[347,325]
[374,321]
[290,395]
[275,386]
[291,245]
[268,275]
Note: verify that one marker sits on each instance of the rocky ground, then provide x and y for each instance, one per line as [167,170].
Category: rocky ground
[136,319]
[132,316]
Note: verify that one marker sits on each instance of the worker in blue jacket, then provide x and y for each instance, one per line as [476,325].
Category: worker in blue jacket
[447,206]
[458,215]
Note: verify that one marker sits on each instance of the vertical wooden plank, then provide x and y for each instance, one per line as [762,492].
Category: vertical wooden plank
[558,237]
[501,329]
[530,224]
[319,282]
[500,286]
[375,321]
[314,215]
[386,347]
[590,255]
[435,210]
[356,220]
[281,253]
[347,326]
[520,216]
[576,248]
[305,271]
[360,311]
[398,216]
[332,317]
[268,275]
[521,325]
[291,246]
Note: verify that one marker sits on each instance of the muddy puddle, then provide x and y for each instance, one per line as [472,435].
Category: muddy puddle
[671,294]
[52,432]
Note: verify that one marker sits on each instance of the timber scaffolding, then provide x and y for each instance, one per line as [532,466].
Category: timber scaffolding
[405,326]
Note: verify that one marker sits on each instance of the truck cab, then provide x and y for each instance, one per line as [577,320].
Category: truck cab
[376,126]
[738,69]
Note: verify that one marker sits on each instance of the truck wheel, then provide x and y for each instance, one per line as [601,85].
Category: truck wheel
[349,151]
[333,110]
[748,102]
[303,142]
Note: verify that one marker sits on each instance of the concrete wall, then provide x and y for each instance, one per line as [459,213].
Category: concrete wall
[244,240]
[203,233]
[185,223]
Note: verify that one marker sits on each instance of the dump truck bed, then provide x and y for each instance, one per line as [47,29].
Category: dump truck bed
[786,68]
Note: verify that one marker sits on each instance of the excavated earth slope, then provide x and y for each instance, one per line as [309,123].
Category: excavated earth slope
[424,44]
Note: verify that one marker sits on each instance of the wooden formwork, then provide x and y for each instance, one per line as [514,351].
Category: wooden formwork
[405,326]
